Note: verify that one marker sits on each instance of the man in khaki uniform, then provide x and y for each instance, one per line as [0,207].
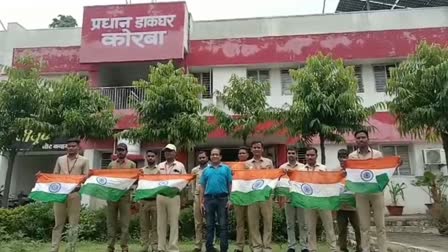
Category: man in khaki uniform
[198,217]
[168,209]
[260,244]
[363,201]
[148,209]
[70,164]
[294,214]
[241,211]
[347,213]
[123,206]
[311,215]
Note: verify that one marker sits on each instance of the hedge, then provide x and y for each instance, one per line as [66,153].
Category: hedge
[35,221]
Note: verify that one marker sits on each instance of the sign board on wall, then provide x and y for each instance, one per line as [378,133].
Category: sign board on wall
[137,32]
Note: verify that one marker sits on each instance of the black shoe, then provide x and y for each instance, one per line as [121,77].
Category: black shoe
[291,250]
[237,250]
[305,250]
[197,250]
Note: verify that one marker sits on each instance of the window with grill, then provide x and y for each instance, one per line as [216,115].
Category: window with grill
[358,73]
[382,74]
[205,79]
[106,158]
[286,81]
[261,76]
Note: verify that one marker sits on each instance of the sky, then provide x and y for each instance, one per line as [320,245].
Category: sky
[34,14]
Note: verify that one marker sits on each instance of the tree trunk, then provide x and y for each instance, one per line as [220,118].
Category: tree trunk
[322,149]
[11,159]
[445,144]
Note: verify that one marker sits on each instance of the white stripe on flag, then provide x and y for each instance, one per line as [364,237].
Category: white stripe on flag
[56,188]
[317,190]
[283,182]
[240,185]
[144,184]
[367,176]
[116,183]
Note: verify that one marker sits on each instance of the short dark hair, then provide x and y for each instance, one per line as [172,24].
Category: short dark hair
[151,151]
[342,152]
[73,140]
[362,131]
[311,148]
[257,142]
[292,148]
[202,152]
[247,149]
[216,148]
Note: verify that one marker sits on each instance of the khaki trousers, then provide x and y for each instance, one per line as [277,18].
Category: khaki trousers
[113,208]
[327,221]
[264,209]
[168,210]
[148,224]
[363,202]
[199,223]
[241,217]
[71,209]
[296,215]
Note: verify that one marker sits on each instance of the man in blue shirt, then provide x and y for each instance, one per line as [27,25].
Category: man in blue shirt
[215,187]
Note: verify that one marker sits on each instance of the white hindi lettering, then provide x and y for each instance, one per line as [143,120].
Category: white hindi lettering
[111,23]
[153,21]
[139,39]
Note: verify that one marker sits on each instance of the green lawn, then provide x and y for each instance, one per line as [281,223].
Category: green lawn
[18,246]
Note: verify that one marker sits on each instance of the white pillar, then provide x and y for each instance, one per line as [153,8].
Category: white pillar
[3,169]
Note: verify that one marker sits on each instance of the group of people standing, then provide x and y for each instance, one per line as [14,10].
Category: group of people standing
[211,190]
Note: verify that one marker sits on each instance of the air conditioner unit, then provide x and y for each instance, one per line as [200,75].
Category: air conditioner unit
[434,156]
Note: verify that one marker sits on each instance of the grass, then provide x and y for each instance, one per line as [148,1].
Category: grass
[26,246]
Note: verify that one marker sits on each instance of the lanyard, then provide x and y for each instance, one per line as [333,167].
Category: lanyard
[68,165]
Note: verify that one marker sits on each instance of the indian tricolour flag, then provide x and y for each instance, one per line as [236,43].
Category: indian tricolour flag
[149,186]
[316,189]
[370,176]
[282,187]
[55,187]
[110,184]
[236,166]
[251,186]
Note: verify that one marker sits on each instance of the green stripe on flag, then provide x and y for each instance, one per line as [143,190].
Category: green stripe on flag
[348,200]
[382,180]
[152,193]
[309,202]
[249,198]
[48,197]
[363,188]
[101,192]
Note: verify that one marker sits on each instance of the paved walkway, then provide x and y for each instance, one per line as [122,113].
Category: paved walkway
[429,241]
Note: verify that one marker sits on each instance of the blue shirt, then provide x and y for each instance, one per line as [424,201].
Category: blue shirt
[216,180]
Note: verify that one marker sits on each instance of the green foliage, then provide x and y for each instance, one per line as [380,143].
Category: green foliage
[63,21]
[435,185]
[396,191]
[246,100]
[419,91]
[325,102]
[171,110]
[35,222]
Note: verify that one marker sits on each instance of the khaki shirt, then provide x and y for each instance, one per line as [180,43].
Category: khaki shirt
[198,172]
[371,154]
[288,167]
[263,163]
[125,164]
[76,166]
[174,168]
[150,170]
[316,167]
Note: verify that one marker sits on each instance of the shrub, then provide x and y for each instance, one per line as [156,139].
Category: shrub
[35,221]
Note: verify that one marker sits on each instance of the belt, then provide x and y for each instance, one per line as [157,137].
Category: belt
[215,196]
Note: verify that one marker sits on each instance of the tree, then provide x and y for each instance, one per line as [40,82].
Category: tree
[171,110]
[63,21]
[246,100]
[419,91]
[325,102]
[47,109]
